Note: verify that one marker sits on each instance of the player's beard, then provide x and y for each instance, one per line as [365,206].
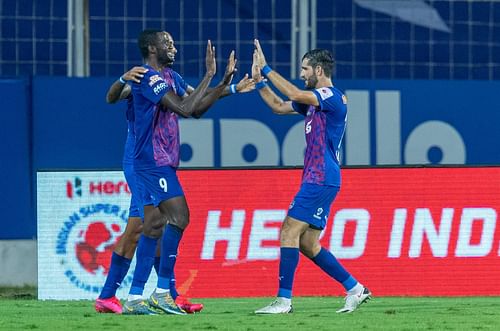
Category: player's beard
[311,82]
[166,60]
[171,60]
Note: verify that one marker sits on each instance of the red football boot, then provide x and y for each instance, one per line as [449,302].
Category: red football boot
[188,306]
[108,305]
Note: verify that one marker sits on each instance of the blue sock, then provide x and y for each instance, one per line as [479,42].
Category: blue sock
[157,265]
[117,270]
[146,250]
[329,264]
[170,243]
[173,290]
[289,260]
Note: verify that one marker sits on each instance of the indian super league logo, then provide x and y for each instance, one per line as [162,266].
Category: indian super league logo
[86,241]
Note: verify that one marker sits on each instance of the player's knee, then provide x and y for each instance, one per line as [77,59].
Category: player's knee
[153,229]
[309,249]
[157,229]
[180,222]
[288,233]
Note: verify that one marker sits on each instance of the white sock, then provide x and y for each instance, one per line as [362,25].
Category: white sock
[356,289]
[132,297]
[286,300]
[161,290]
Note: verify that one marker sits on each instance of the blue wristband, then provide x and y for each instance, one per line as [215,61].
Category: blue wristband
[266,70]
[232,88]
[260,85]
[122,80]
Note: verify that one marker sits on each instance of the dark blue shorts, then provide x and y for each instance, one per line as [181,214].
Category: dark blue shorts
[158,184]
[136,205]
[312,204]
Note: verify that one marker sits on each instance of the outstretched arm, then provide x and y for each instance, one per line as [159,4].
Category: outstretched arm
[120,90]
[284,86]
[267,94]
[246,84]
[215,93]
[186,106]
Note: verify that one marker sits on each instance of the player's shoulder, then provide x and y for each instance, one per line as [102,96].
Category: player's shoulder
[325,92]
[331,95]
[148,75]
[177,76]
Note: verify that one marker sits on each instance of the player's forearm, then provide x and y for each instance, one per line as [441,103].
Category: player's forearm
[209,99]
[271,99]
[193,102]
[224,93]
[284,86]
[114,92]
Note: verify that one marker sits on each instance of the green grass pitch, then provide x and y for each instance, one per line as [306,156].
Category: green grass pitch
[19,310]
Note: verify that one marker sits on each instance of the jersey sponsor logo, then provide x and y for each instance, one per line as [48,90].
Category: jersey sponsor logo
[324,92]
[154,79]
[160,87]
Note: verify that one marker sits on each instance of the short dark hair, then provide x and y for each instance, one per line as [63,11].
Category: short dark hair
[148,37]
[321,57]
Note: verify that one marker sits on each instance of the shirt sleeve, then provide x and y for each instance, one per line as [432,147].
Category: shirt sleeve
[181,83]
[153,87]
[325,98]
[300,108]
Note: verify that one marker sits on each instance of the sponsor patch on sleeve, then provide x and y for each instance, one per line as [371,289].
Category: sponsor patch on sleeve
[324,92]
[154,79]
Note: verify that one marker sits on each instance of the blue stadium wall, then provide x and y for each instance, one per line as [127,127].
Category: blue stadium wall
[62,123]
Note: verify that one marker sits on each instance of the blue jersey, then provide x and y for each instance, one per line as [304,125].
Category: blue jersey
[324,128]
[180,87]
[156,129]
[128,155]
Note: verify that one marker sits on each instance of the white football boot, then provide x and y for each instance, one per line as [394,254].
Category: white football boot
[353,301]
[278,306]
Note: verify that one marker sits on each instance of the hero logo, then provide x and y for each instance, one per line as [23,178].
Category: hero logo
[74,188]
[468,243]
[99,187]
[109,187]
[85,244]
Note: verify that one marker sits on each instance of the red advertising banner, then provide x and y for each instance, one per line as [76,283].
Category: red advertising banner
[412,231]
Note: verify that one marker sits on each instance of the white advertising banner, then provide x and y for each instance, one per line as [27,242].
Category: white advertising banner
[81,216]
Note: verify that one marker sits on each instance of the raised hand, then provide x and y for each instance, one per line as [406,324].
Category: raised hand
[135,74]
[230,69]
[210,59]
[246,84]
[256,75]
[261,59]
